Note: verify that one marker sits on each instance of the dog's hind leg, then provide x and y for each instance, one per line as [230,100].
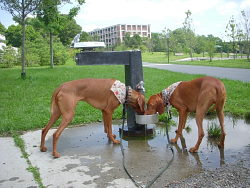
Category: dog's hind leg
[53,118]
[201,109]
[67,106]
[66,119]
[199,119]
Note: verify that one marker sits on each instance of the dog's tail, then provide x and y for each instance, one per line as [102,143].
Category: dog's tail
[54,100]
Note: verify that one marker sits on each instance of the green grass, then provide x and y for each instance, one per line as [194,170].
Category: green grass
[214,131]
[25,104]
[161,57]
[34,170]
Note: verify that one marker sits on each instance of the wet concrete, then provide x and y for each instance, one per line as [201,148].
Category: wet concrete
[88,159]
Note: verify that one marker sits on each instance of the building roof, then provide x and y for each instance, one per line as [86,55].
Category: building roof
[88,45]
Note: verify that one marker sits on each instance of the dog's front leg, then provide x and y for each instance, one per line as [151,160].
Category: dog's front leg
[107,118]
[182,121]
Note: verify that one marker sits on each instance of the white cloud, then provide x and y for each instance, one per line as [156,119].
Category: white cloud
[158,13]
[245,5]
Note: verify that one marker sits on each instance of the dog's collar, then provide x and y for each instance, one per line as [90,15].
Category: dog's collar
[166,93]
[128,94]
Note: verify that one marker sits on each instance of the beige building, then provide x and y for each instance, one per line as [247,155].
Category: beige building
[116,33]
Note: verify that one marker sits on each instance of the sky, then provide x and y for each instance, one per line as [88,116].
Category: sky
[208,16]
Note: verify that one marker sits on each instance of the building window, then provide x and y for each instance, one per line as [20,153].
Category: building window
[144,27]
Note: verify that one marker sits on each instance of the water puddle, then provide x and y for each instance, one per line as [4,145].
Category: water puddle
[237,141]
[145,157]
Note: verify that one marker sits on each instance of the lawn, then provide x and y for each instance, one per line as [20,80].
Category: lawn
[161,57]
[25,104]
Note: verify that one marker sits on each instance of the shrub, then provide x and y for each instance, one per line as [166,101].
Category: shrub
[61,54]
[214,131]
[37,52]
[9,57]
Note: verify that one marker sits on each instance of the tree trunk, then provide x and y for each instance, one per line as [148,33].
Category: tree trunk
[191,54]
[51,50]
[23,73]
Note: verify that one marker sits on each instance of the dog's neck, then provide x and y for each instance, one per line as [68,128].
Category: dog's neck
[166,93]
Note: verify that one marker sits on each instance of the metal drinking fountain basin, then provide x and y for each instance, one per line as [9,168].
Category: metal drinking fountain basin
[146,119]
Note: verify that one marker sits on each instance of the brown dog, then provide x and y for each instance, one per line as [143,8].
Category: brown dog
[96,92]
[192,96]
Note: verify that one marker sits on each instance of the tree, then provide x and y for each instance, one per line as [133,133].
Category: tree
[48,14]
[189,33]
[20,10]
[86,37]
[2,29]
[14,35]
[177,40]
[68,30]
[127,39]
[136,41]
[210,46]
[54,22]
[231,32]
[246,31]
[201,45]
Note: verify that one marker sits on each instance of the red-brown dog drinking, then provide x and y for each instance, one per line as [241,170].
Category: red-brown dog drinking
[103,94]
[192,96]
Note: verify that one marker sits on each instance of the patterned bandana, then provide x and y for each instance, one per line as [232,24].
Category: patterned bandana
[119,90]
[166,93]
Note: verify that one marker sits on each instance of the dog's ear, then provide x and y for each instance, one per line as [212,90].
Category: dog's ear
[160,106]
[141,103]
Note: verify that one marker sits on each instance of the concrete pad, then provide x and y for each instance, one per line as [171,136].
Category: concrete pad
[13,168]
[88,159]
[76,168]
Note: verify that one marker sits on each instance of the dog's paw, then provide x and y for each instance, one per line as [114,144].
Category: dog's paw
[56,154]
[43,149]
[116,142]
[221,146]
[173,141]
[193,150]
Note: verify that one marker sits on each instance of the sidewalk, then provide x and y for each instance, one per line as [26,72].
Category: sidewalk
[89,160]
[13,168]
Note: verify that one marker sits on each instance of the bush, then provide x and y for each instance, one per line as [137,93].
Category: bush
[9,57]
[38,53]
[61,54]
[121,47]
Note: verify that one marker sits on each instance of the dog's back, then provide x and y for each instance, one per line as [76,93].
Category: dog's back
[197,91]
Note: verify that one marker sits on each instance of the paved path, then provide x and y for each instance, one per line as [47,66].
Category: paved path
[219,72]
[13,168]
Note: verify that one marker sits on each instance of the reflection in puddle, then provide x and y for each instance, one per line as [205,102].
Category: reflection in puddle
[209,155]
[145,157]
